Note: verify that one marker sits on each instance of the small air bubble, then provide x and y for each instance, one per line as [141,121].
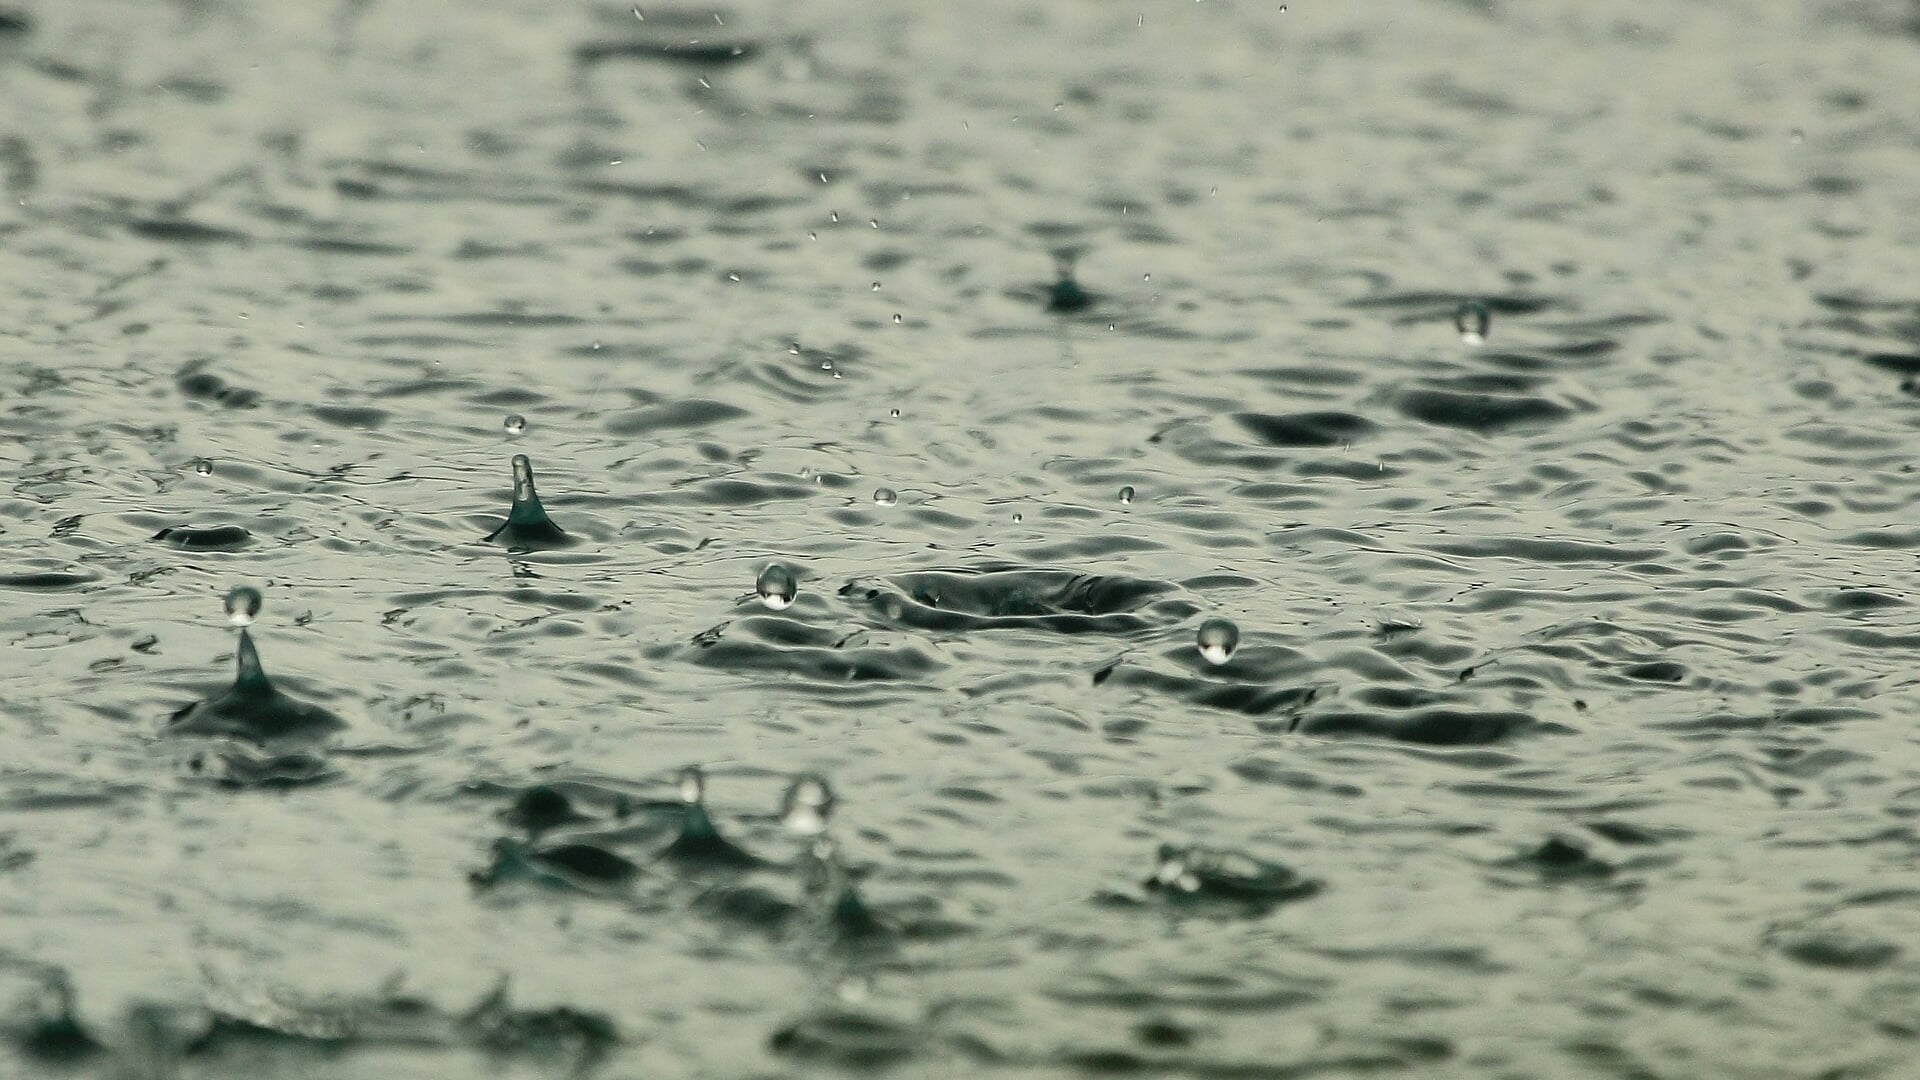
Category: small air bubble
[1473,320]
[885,497]
[243,603]
[1217,640]
[776,587]
[516,424]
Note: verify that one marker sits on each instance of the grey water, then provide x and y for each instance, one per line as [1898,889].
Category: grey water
[1217,539]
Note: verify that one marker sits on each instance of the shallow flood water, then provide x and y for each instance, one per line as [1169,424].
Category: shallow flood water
[1533,388]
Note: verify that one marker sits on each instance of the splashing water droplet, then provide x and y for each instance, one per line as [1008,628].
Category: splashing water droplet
[776,587]
[1126,495]
[885,496]
[515,424]
[243,603]
[807,805]
[693,785]
[1174,871]
[1217,640]
[202,466]
[1473,320]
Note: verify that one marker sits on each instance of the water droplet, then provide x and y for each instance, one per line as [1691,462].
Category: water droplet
[835,214]
[1796,135]
[1174,872]
[243,603]
[875,222]
[807,805]
[895,414]
[876,286]
[1473,320]
[693,785]
[776,587]
[203,466]
[516,424]
[1018,517]
[1126,495]
[637,15]
[896,318]
[885,496]
[1217,639]
[1146,277]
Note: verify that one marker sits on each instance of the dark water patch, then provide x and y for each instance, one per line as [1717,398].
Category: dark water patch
[1305,429]
[692,52]
[1861,599]
[1554,550]
[1563,860]
[1428,727]
[762,646]
[1834,949]
[200,385]
[847,1040]
[999,596]
[14,22]
[351,417]
[693,413]
[1898,363]
[1421,306]
[181,231]
[1247,693]
[47,579]
[1658,671]
[205,537]
[1480,404]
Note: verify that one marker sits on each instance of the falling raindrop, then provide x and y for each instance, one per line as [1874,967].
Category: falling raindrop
[776,587]
[895,413]
[516,424]
[1217,639]
[1473,320]
[243,603]
[693,785]
[885,496]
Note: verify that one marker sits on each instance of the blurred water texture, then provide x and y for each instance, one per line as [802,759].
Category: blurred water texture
[1570,730]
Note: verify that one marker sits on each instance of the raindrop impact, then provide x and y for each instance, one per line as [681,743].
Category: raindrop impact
[885,497]
[243,604]
[1473,321]
[1217,640]
[527,527]
[776,587]
[516,424]
[807,806]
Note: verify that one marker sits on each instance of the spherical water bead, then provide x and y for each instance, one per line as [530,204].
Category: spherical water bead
[1217,639]
[516,424]
[776,587]
[1126,495]
[693,785]
[1174,871]
[807,805]
[1473,320]
[895,413]
[885,497]
[243,603]
[202,466]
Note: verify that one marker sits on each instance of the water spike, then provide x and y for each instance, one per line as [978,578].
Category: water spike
[699,840]
[1066,294]
[527,526]
[248,676]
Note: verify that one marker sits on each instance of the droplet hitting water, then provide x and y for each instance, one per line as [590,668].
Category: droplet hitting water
[516,424]
[807,806]
[527,528]
[243,603]
[885,496]
[776,587]
[1217,640]
[1473,321]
